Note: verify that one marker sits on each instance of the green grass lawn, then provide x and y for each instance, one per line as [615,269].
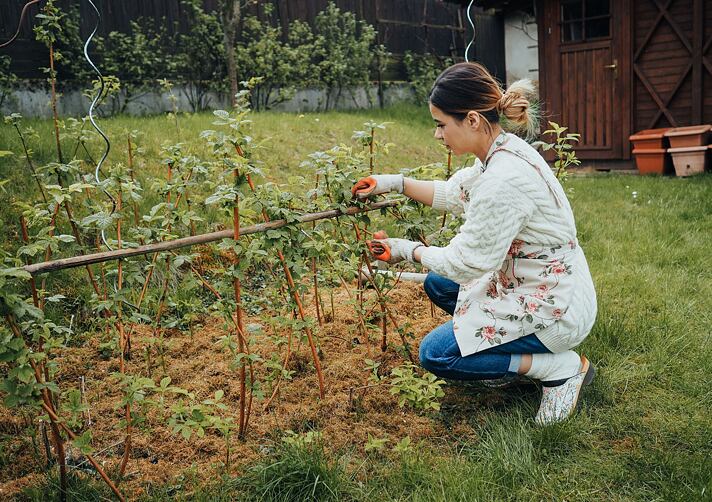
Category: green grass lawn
[645,428]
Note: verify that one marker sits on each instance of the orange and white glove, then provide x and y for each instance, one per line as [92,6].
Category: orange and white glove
[393,250]
[377,184]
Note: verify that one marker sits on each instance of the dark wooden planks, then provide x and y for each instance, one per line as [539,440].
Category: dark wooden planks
[403,25]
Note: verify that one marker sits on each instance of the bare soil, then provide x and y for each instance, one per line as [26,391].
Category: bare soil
[345,417]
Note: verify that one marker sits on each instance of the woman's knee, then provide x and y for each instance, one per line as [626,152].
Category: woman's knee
[435,351]
[426,354]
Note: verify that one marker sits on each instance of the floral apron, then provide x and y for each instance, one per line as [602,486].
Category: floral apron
[527,295]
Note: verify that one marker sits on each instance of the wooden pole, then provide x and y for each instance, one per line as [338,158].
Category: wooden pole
[118,254]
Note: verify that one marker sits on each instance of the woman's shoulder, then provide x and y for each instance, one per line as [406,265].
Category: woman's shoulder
[515,160]
[467,174]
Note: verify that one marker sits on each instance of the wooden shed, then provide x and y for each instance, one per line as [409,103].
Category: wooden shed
[608,68]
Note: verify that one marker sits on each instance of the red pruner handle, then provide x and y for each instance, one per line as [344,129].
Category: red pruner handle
[380,234]
[379,250]
[363,187]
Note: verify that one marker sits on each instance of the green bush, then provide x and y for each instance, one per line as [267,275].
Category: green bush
[138,58]
[200,56]
[262,55]
[8,80]
[337,54]
[421,70]
[343,51]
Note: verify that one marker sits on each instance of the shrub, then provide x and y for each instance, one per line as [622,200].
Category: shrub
[8,80]
[200,56]
[343,51]
[421,70]
[262,55]
[138,58]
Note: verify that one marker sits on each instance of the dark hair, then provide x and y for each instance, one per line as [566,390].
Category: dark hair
[465,87]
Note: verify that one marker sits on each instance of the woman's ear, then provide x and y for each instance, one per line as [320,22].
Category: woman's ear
[473,119]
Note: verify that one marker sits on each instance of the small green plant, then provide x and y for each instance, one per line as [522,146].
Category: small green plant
[418,392]
[375,444]
[564,149]
[404,446]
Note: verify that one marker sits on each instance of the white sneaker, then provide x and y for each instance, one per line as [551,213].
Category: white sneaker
[558,403]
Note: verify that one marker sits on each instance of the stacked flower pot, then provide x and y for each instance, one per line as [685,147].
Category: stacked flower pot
[690,149]
[682,151]
[650,150]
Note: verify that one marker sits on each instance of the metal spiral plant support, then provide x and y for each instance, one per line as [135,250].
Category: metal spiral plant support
[93,122]
[472,23]
[19,23]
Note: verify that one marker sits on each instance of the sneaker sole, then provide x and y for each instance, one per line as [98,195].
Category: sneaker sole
[587,379]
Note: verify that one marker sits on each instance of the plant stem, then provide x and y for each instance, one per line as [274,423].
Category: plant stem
[238,309]
[31,165]
[26,240]
[36,302]
[295,295]
[370,150]
[382,299]
[122,337]
[314,271]
[53,81]
[55,419]
[131,173]
[47,403]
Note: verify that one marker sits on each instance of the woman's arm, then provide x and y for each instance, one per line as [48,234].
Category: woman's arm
[421,191]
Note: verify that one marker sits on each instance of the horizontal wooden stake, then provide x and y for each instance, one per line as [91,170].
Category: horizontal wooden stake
[118,254]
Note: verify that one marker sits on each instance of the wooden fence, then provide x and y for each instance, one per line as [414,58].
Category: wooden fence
[434,26]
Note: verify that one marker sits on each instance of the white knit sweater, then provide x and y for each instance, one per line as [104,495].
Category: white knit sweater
[511,200]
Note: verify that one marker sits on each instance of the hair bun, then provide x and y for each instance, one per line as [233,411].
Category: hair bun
[514,105]
[511,103]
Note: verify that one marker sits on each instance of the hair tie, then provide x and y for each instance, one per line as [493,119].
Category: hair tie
[511,100]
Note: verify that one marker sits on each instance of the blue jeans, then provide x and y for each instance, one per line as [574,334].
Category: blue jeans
[440,354]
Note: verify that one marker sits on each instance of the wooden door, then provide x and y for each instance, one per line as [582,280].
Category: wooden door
[672,73]
[584,73]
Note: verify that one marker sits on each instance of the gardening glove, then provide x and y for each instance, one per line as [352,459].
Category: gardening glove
[393,250]
[377,184]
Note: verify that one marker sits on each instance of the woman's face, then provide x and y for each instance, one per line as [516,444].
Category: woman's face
[459,136]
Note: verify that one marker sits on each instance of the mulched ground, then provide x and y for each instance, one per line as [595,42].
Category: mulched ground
[345,416]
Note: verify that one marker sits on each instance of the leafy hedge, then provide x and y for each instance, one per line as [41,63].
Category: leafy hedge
[338,53]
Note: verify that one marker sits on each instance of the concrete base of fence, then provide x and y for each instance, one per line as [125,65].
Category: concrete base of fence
[33,100]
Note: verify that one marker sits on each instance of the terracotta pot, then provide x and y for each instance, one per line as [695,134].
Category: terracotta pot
[649,138]
[691,160]
[682,137]
[653,161]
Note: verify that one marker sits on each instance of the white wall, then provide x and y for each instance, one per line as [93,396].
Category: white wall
[34,102]
[521,48]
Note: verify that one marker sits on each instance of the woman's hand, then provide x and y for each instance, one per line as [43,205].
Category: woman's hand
[377,184]
[392,250]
